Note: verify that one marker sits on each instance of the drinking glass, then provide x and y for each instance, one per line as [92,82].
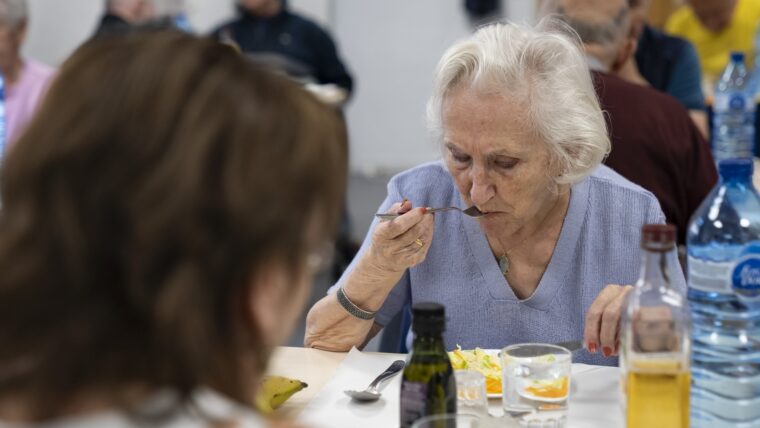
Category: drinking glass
[536,384]
[471,393]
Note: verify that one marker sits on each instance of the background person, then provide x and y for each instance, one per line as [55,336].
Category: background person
[267,31]
[26,80]
[654,142]
[716,28]
[149,264]
[522,135]
[122,16]
[667,63]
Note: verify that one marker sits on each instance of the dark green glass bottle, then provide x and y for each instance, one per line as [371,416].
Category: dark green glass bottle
[428,386]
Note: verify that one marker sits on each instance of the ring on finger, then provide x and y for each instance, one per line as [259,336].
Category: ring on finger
[419,242]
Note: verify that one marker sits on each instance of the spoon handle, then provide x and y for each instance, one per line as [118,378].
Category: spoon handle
[388,216]
[388,373]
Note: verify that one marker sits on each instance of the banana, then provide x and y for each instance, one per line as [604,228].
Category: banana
[275,390]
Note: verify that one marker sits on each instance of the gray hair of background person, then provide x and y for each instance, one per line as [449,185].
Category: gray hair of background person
[13,12]
[543,70]
[607,34]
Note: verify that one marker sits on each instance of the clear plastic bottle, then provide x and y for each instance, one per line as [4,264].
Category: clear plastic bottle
[724,296]
[428,386]
[734,112]
[655,340]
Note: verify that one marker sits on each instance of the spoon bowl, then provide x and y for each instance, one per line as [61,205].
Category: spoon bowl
[372,393]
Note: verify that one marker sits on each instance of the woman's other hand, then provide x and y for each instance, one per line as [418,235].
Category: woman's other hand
[403,242]
[603,320]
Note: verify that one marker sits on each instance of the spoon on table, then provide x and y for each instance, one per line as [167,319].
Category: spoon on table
[473,211]
[372,393]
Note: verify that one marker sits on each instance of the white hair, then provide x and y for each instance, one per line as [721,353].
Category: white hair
[13,12]
[542,69]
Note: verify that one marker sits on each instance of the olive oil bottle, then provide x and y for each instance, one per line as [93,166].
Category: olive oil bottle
[428,386]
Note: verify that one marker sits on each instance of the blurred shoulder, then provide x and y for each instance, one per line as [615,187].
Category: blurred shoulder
[305,24]
[749,7]
[39,70]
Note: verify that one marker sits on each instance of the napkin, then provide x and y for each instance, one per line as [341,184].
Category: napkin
[331,408]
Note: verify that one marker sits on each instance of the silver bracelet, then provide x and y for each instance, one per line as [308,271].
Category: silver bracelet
[351,308]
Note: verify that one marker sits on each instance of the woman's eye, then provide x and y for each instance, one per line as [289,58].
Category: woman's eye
[505,164]
[459,157]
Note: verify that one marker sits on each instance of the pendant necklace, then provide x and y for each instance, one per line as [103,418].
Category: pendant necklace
[504,258]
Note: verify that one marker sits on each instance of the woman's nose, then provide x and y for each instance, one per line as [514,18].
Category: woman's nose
[482,189]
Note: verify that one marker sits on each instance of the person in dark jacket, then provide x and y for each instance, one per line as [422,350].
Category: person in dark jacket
[122,16]
[267,31]
[667,63]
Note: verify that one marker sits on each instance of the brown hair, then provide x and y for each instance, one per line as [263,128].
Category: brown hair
[161,171]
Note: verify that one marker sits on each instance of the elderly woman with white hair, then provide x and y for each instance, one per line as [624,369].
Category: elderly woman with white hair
[523,138]
[26,81]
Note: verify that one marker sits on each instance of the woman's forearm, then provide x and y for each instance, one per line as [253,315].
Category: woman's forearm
[329,326]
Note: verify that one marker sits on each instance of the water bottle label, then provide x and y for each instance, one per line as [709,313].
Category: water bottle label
[710,276]
[731,101]
[745,279]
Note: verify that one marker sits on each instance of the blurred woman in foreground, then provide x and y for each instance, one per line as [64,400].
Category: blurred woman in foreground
[149,266]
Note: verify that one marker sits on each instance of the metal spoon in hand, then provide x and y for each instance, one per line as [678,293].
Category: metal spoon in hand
[473,211]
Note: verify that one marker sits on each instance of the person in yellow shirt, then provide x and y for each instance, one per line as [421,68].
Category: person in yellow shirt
[716,28]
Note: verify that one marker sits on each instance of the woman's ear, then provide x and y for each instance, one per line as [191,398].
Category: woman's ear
[275,301]
[264,300]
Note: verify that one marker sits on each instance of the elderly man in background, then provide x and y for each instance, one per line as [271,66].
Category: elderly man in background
[121,16]
[716,27]
[655,144]
[667,63]
[26,81]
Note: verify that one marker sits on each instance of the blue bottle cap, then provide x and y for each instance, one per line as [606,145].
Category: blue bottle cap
[735,168]
[737,56]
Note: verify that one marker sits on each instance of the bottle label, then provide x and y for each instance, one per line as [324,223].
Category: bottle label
[731,102]
[413,402]
[710,276]
[745,279]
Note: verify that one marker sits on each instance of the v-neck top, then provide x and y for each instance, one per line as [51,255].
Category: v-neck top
[597,245]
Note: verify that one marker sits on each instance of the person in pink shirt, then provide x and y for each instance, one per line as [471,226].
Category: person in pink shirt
[26,81]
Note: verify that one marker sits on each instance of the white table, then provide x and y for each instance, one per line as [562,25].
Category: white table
[594,399]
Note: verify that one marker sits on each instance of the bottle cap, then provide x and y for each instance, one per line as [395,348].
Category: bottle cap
[737,56]
[428,318]
[658,237]
[735,168]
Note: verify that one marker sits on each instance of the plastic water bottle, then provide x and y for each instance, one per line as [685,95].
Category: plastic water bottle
[734,112]
[724,297]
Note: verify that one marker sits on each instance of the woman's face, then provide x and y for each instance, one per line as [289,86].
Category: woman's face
[498,164]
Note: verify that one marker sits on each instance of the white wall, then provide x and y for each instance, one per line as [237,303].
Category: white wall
[391,47]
